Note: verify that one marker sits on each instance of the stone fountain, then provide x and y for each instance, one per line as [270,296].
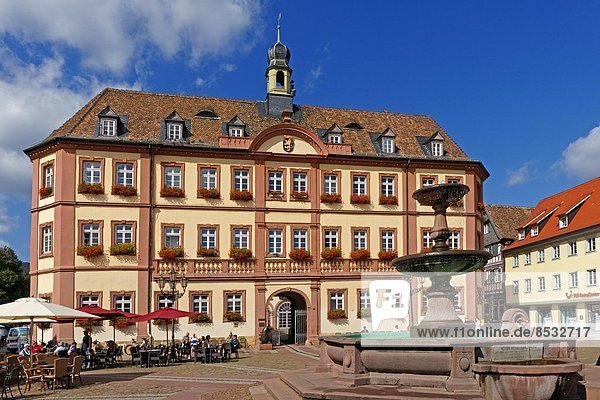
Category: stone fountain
[375,366]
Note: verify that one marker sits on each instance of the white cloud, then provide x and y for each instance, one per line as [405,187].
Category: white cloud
[3,243]
[521,175]
[200,82]
[228,67]
[580,158]
[110,34]
[7,222]
[313,78]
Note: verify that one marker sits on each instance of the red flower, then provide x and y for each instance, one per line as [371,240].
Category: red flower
[201,318]
[336,314]
[300,195]
[170,253]
[122,249]
[362,254]
[332,253]
[90,251]
[208,253]
[209,193]
[331,198]
[233,316]
[240,254]
[45,192]
[299,254]
[121,190]
[240,195]
[170,191]
[360,199]
[388,255]
[388,200]
[89,188]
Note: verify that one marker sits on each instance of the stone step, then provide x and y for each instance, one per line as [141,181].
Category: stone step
[279,390]
[260,393]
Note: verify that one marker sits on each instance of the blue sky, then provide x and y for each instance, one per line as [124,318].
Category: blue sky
[515,83]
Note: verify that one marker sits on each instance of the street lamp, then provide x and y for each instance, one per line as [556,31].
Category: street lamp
[172,294]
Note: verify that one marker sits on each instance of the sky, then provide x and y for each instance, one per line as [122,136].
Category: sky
[516,84]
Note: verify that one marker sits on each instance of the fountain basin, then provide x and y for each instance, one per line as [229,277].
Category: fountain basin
[527,380]
[451,261]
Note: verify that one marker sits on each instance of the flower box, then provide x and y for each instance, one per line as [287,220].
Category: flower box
[336,314]
[362,254]
[164,321]
[360,199]
[208,253]
[299,254]
[87,323]
[90,188]
[90,251]
[300,196]
[363,313]
[331,254]
[275,194]
[201,318]
[387,255]
[209,193]
[170,191]
[388,200]
[45,192]
[122,249]
[233,316]
[121,323]
[121,190]
[169,253]
[240,254]
[331,198]
[240,195]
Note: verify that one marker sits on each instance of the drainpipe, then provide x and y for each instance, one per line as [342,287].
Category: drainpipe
[150,234]
[406,194]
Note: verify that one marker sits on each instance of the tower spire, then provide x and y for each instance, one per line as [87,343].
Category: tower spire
[279,28]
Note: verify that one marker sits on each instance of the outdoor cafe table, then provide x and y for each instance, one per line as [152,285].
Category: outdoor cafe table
[145,356]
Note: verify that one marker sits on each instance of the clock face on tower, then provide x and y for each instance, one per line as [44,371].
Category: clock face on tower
[288,143]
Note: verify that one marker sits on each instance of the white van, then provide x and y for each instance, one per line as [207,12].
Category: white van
[17,337]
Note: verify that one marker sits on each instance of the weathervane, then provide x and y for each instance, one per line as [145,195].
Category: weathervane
[279,27]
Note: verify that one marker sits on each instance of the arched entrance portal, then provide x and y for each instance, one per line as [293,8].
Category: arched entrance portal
[289,316]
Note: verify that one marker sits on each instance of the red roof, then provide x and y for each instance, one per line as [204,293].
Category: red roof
[581,204]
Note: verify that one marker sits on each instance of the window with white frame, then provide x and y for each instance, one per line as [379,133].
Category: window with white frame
[336,300]
[572,248]
[236,131]
[174,131]
[91,235]
[486,228]
[48,176]
[241,238]
[201,303]
[359,240]
[528,285]
[364,300]
[541,283]
[92,172]
[235,302]
[123,303]
[330,182]
[454,240]
[590,244]
[563,221]
[208,238]
[208,178]
[109,126]
[123,233]
[241,180]
[124,174]
[299,182]
[284,315]
[387,186]
[541,255]
[527,258]
[556,252]
[275,245]
[334,138]
[591,277]
[173,177]
[534,230]
[387,145]
[521,234]
[427,240]
[163,302]
[515,287]
[437,148]
[331,238]
[46,240]
[498,275]
[388,240]
[515,261]
[573,279]
[300,239]
[556,282]
[359,185]
[427,181]
[172,236]
[91,300]
[275,182]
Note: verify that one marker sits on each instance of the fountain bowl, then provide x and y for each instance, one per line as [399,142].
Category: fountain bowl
[442,193]
[451,261]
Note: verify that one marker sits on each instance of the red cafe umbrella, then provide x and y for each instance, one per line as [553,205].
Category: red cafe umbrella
[103,314]
[165,313]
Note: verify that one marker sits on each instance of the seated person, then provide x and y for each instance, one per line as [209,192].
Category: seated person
[145,345]
[25,351]
[72,348]
[61,349]
[194,340]
[235,343]
[111,346]
[97,346]
[36,348]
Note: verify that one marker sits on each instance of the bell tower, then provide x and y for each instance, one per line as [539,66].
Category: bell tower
[280,87]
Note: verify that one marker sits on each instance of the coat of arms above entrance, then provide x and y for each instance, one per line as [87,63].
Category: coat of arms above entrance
[288,143]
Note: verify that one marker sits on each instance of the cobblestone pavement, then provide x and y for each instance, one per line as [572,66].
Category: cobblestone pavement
[230,380]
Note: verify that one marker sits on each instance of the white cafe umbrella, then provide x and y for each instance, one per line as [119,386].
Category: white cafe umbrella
[31,308]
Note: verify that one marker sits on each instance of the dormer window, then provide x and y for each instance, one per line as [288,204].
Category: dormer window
[109,126]
[521,234]
[534,230]
[435,144]
[334,138]
[174,131]
[437,148]
[334,134]
[387,141]
[236,127]
[236,131]
[563,221]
